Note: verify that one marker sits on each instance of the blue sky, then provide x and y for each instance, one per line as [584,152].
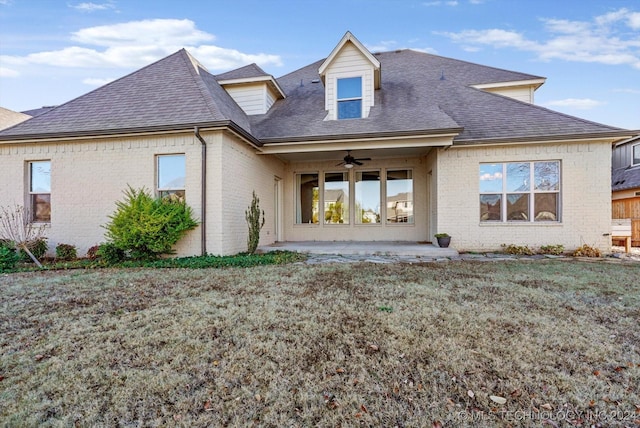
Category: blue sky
[589,50]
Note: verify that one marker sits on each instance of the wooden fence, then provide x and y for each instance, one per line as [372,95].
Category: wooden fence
[628,208]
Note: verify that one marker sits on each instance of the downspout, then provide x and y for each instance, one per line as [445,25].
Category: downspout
[203,196]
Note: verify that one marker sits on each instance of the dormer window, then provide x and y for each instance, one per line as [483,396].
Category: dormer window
[350,98]
[636,155]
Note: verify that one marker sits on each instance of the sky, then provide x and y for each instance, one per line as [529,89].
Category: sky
[589,50]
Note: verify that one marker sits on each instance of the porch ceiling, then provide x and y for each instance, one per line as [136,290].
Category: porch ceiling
[338,155]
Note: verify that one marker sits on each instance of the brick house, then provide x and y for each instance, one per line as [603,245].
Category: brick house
[413,143]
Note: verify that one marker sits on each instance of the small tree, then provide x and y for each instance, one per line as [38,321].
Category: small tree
[252,214]
[17,228]
[145,227]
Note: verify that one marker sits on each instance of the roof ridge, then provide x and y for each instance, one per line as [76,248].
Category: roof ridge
[200,84]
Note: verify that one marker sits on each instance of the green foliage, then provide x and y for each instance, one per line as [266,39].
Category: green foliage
[110,254]
[145,227]
[8,257]
[37,248]
[66,252]
[555,250]
[252,215]
[209,261]
[441,235]
[518,250]
[586,251]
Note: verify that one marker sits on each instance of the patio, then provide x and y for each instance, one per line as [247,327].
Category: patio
[380,248]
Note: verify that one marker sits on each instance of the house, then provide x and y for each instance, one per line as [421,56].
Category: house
[420,143]
[625,185]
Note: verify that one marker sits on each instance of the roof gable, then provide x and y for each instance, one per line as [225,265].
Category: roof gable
[350,38]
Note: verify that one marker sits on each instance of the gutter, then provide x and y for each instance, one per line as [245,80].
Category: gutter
[203,195]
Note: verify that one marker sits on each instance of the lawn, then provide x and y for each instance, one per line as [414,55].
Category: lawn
[519,343]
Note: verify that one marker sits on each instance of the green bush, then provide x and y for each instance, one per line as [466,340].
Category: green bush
[252,215]
[38,249]
[66,252]
[110,254]
[8,257]
[145,227]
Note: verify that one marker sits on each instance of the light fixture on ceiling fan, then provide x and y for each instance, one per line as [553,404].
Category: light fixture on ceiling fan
[349,160]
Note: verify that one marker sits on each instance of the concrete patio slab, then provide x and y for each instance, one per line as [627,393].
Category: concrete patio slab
[374,248]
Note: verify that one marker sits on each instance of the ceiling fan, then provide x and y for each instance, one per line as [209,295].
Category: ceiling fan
[349,160]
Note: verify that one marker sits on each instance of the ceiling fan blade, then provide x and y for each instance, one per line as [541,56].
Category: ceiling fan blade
[341,163]
[363,159]
[356,161]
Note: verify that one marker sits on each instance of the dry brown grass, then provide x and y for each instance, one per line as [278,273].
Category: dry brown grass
[324,345]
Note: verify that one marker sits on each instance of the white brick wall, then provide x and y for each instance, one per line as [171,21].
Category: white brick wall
[585,196]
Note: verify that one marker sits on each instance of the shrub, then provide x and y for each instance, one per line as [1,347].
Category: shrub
[519,250]
[555,250]
[586,251]
[252,215]
[92,252]
[110,254]
[17,228]
[66,252]
[145,227]
[8,257]
[38,248]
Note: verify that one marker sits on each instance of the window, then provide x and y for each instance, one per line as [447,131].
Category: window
[336,198]
[400,196]
[307,197]
[350,98]
[636,155]
[367,197]
[171,176]
[40,190]
[520,191]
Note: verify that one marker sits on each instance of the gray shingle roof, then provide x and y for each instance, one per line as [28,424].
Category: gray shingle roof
[248,71]
[625,178]
[414,98]
[168,93]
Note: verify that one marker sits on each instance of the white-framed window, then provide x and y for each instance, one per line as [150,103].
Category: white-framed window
[367,197]
[171,173]
[307,198]
[635,155]
[349,97]
[400,196]
[336,197]
[520,192]
[40,191]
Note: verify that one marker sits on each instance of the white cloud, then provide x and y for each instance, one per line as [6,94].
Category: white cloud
[490,177]
[8,72]
[606,39]
[628,91]
[92,7]
[6,2]
[138,43]
[575,103]
[383,46]
[91,81]
[441,3]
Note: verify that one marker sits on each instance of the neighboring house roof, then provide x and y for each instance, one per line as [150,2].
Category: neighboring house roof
[9,118]
[173,93]
[628,176]
[625,178]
